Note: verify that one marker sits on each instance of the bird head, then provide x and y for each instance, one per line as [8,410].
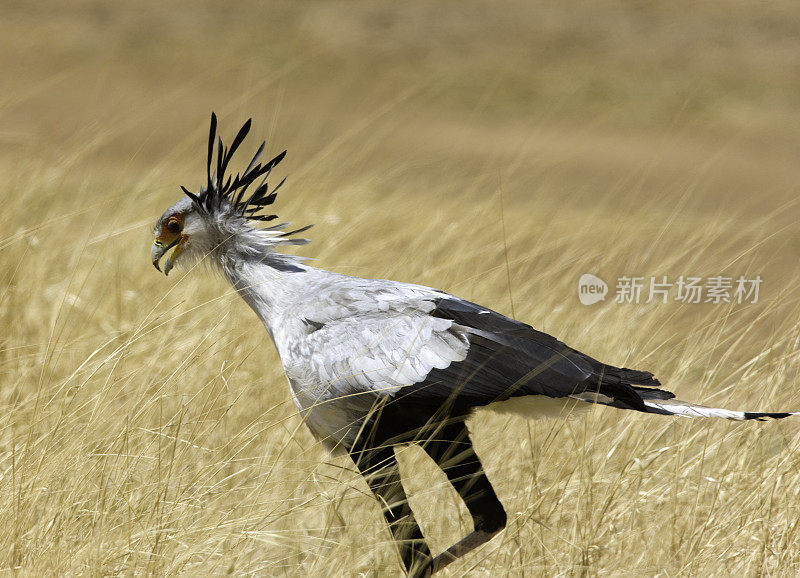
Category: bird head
[221,211]
[179,228]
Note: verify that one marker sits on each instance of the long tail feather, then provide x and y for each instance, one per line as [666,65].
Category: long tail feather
[686,409]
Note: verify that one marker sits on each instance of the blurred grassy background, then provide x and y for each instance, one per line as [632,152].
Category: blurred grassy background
[146,427]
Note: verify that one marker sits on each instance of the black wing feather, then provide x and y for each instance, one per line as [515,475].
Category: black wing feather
[507,358]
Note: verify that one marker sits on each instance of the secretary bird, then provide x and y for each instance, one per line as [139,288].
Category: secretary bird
[374,363]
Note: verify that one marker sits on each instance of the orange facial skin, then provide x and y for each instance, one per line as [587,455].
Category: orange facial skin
[170,230]
[168,235]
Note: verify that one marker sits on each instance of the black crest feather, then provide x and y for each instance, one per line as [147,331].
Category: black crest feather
[232,189]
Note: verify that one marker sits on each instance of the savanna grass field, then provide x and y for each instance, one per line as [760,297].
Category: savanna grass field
[497,151]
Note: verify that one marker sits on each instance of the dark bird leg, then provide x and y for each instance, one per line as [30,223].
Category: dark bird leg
[451,448]
[379,467]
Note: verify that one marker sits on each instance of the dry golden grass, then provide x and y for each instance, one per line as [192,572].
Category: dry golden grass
[146,427]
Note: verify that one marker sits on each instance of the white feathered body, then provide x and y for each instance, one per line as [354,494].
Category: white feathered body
[346,343]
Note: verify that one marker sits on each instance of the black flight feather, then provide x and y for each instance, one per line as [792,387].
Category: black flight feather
[507,358]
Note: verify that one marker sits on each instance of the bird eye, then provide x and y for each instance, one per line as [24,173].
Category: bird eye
[173,226]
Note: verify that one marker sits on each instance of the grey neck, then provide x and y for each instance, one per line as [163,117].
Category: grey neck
[262,280]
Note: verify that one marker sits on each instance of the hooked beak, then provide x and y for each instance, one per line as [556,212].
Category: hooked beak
[157,251]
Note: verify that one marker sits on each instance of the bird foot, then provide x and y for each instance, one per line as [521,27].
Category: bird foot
[463,546]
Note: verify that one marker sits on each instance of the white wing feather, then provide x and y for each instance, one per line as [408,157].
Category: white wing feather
[366,344]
